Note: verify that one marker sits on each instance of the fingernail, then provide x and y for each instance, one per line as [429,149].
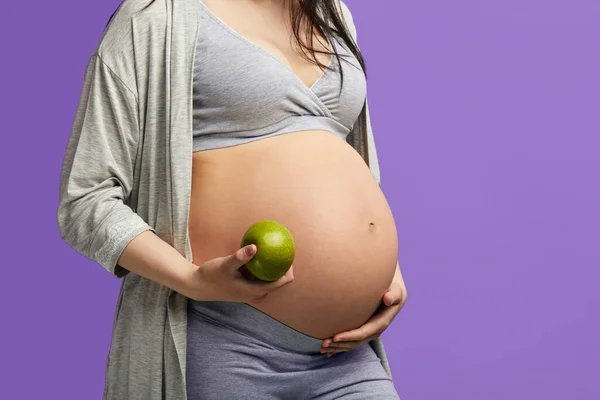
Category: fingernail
[250,250]
[326,344]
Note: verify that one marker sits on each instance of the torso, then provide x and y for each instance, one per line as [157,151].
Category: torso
[315,184]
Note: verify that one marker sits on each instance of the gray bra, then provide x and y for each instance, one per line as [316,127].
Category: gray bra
[242,93]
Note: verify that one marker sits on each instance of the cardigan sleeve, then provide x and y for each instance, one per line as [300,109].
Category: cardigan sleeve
[97,171]
[373,159]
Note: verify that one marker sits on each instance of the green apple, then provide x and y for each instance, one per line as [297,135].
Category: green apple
[274,250]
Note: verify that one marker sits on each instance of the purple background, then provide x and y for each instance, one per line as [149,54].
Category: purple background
[487,121]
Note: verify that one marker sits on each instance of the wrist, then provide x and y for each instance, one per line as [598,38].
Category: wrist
[189,280]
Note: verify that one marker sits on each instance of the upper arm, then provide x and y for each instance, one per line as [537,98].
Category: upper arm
[96,178]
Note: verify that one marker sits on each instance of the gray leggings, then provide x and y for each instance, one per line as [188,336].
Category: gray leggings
[237,352]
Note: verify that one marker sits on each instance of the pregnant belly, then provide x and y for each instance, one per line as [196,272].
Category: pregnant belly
[320,188]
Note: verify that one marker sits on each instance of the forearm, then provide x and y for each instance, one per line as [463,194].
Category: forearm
[149,256]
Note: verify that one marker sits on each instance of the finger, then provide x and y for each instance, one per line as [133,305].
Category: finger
[284,280]
[328,342]
[256,297]
[368,329]
[332,349]
[343,345]
[249,277]
[388,298]
[240,257]
[246,274]
[393,296]
[349,345]
[374,326]
[258,290]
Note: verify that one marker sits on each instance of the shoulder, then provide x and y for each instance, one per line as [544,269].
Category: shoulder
[120,27]
[345,10]
[347,17]
[126,31]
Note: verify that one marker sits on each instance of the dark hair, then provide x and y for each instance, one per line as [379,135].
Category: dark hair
[311,14]
[325,16]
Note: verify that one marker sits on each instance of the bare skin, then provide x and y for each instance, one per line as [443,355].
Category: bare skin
[315,184]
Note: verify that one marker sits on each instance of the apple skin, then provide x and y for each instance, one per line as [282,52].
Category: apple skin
[275,250]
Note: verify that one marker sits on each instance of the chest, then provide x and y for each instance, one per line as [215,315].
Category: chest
[241,86]
[268,26]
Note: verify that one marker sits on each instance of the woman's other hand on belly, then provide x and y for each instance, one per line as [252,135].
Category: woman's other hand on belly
[393,301]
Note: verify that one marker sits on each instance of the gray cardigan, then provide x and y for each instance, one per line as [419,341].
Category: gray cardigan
[127,169]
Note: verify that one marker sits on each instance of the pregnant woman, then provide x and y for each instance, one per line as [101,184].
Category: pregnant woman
[197,119]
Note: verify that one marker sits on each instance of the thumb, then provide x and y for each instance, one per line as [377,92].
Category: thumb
[388,298]
[241,256]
